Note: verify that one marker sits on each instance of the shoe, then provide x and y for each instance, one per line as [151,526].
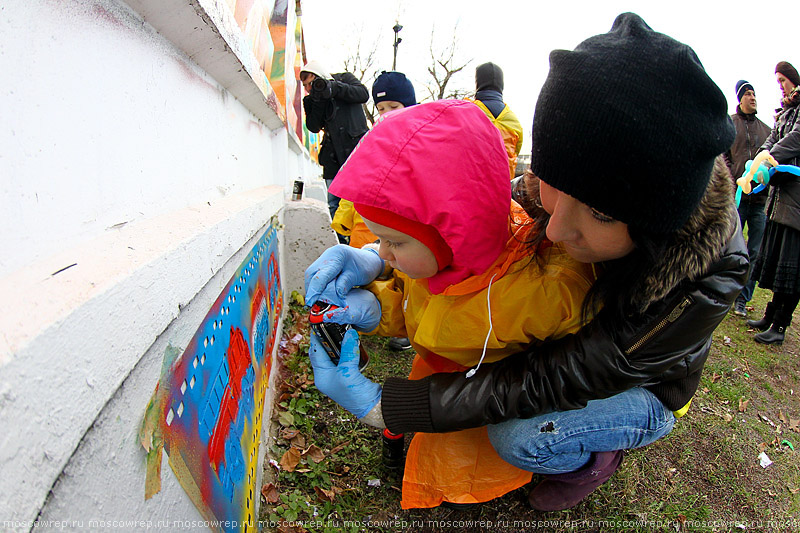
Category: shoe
[399,344]
[773,335]
[739,308]
[766,322]
[564,491]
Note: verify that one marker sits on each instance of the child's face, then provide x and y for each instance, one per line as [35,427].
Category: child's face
[388,105]
[404,252]
[588,235]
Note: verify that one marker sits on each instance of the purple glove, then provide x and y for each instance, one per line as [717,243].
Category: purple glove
[338,270]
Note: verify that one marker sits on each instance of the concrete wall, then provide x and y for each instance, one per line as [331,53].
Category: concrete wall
[143,154]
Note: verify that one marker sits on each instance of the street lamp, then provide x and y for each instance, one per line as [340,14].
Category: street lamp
[397,40]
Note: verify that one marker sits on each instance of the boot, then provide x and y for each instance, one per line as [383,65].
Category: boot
[773,335]
[766,322]
[564,491]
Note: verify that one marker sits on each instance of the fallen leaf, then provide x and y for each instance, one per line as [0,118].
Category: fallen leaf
[715,377]
[299,441]
[270,493]
[286,418]
[290,459]
[728,417]
[743,405]
[794,424]
[289,434]
[314,453]
[324,495]
[782,417]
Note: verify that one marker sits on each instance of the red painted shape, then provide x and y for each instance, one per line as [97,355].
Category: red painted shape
[238,355]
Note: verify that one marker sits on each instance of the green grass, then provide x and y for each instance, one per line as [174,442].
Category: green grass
[704,476]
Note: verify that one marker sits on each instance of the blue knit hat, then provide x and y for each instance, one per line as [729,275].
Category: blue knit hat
[394,87]
[742,86]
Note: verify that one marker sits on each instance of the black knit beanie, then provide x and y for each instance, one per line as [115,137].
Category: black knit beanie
[629,123]
[489,76]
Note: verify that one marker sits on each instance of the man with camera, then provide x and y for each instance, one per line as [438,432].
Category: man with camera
[333,104]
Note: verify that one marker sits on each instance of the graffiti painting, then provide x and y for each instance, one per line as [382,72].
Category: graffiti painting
[207,409]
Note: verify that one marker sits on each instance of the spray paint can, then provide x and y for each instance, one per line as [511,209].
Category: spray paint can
[297,190]
[392,449]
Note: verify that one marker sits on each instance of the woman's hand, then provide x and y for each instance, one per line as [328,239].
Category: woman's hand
[338,270]
[344,384]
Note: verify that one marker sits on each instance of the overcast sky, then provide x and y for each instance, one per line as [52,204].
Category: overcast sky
[734,39]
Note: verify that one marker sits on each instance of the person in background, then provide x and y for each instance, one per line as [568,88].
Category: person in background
[333,105]
[649,137]
[489,97]
[750,135]
[391,91]
[778,265]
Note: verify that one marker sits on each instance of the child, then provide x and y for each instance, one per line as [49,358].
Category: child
[391,90]
[432,183]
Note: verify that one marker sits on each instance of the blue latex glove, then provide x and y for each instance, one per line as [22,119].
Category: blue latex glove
[362,309]
[338,270]
[344,384]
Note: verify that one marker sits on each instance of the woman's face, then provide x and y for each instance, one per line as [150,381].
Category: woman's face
[588,235]
[786,85]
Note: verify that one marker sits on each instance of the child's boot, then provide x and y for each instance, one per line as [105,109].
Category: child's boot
[564,491]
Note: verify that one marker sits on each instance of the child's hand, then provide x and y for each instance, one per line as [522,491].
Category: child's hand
[344,384]
[362,309]
[338,270]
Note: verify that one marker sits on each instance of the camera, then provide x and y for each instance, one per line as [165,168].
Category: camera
[331,335]
[319,84]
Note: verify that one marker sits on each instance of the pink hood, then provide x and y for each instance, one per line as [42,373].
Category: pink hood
[443,164]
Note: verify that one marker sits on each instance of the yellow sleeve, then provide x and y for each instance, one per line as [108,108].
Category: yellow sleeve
[343,218]
[390,295]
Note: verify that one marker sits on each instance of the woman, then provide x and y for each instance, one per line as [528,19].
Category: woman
[778,265]
[626,135]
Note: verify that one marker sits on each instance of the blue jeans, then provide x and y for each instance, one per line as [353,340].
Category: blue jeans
[756,220]
[333,201]
[563,441]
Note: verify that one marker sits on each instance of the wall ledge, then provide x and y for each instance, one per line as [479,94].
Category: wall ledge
[79,321]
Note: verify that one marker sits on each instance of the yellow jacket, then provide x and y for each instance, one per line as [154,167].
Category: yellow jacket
[511,130]
[531,300]
[348,222]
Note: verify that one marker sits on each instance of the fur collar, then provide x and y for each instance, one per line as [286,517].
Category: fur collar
[697,245]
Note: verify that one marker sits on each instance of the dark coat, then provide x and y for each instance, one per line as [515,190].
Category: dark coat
[341,117]
[783,144]
[663,348]
[750,135]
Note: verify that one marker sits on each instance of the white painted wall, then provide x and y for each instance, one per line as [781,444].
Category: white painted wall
[150,167]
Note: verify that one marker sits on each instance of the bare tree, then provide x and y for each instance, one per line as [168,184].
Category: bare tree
[444,66]
[362,63]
